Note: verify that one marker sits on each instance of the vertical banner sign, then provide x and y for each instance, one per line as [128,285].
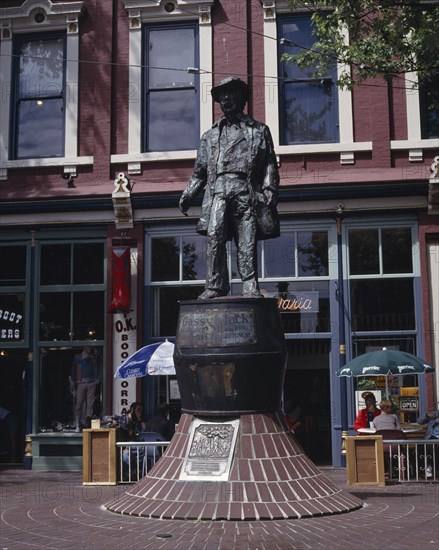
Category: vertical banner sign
[124,345]
[121,271]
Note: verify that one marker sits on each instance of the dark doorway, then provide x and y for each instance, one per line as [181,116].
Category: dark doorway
[12,405]
[307,385]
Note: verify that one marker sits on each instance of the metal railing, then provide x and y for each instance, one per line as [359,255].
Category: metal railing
[404,460]
[411,459]
[136,458]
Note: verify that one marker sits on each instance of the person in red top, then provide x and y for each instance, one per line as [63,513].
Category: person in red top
[366,416]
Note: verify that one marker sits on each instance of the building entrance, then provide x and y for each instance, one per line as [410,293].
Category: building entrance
[307,385]
[12,405]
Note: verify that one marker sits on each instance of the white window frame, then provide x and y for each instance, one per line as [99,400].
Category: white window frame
[287,227]
[347,147]
[414,142]
[62,16]
[139,13]
[380,224]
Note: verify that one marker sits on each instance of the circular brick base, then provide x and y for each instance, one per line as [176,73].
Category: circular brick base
[270,478]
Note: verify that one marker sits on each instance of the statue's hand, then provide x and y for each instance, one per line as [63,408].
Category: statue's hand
[269,197]
[184,204]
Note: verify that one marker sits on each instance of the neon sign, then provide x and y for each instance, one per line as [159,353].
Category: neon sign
[299,302]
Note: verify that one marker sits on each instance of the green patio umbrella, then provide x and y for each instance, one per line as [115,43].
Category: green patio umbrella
[385,362]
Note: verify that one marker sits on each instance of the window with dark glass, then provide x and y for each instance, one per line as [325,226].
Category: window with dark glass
[380,301]
[171,100]
[429,105]
[380,251]
[280,256]
[166,307]
[364,252]
[194,257]
[397,250]
[56,397]
[382,304]
[72,297]
[165,259]
[178,272]
[13,265]
[312,249]
[39,96]
[308,105]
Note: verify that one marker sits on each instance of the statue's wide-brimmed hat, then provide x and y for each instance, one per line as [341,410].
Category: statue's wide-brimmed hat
[231,82]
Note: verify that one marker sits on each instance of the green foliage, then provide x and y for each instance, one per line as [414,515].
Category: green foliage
[386,39]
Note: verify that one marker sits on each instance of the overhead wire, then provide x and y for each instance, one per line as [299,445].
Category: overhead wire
[279,41]
[191,70]
[248,75]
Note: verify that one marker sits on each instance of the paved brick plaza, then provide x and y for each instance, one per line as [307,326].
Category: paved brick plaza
[54,510]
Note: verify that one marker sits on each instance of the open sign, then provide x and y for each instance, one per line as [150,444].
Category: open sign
[409,403]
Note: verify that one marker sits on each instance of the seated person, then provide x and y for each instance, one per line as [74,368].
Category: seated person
[369,413]
[386,420]
[431,419]
[161,423]
[131,425]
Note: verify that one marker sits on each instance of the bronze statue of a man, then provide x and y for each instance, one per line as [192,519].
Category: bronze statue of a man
[237,167]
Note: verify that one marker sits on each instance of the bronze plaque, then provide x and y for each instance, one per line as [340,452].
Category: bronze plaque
[211,449]
[214,328]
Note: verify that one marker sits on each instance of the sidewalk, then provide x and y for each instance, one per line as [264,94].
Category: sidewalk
[54,510]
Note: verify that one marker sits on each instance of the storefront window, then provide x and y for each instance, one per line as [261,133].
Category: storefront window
[57,397]
[72,300]
[380,251]
[165,259]
[166,307]
[178,258]
[55,264]
[57,260]
[312,248]
[382,304]
[13,262]
[304,307]
[88,263]
[11,317]
[194,257]
[397,250]
[55,314]
[402,390]
[279,256]
[363,251]
[88,316]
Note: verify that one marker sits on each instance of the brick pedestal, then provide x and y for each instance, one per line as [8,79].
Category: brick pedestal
[270,478]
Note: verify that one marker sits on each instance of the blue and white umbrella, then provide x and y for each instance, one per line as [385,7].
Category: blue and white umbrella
[153,359]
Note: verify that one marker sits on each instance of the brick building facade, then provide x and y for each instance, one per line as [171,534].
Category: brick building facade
[102,107]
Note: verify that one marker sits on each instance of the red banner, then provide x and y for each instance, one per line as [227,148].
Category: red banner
[121,273]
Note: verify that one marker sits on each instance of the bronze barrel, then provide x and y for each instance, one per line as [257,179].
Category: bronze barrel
[230,356]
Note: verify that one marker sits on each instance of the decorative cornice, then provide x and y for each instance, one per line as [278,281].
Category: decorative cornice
[45,6]
[39,14]
[167,10]
[269,7]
